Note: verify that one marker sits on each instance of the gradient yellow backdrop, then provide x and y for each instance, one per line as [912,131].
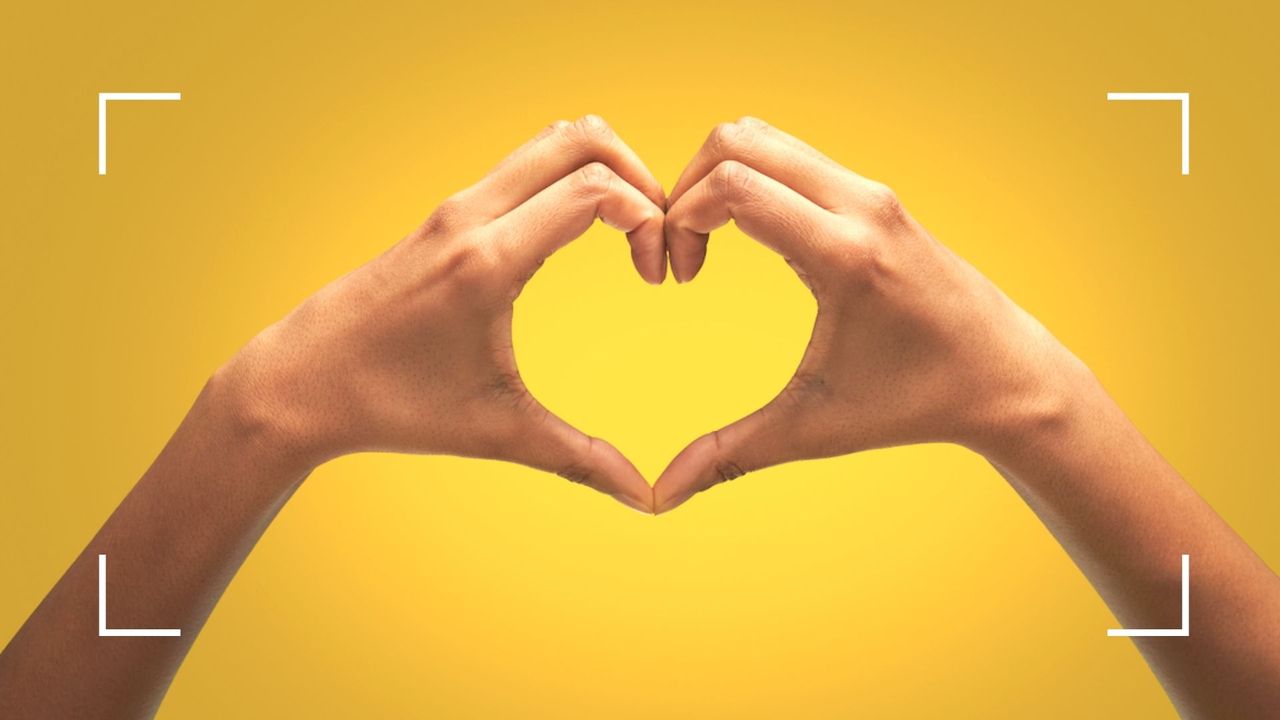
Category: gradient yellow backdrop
[904,583]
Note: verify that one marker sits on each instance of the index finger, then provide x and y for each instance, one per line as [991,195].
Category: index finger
[554,153]
[767,210]
[775,153]
[566,208]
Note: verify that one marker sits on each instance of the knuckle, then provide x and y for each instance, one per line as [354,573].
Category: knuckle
[594,122]
[883,203]
[722,468]
[594,178]
[466,276]
[447,217]
[593,130]
[724,138]
[736,139]
[478,266]
[575,474]
[580,468]
[731,179]
[727,470]
[556,128]
[862,259]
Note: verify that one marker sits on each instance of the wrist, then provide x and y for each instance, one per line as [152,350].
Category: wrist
[1045,404]
[246,407]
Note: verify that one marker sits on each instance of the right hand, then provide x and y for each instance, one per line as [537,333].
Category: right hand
[911,343]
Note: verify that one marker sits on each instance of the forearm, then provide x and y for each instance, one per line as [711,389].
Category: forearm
[912,344]
[172,546]
[1125,516]
[411,352]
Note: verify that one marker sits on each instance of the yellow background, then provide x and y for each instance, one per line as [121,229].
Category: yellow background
[904,583]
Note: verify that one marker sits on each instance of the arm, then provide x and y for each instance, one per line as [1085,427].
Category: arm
[1125,516]
[911,344]
[409,353]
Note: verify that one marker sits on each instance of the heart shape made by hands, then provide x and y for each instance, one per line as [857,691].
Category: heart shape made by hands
[910,343]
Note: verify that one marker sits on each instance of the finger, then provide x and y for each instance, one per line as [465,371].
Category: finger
[551,155]
[773,152]
[752,443]
[564,210]
[556,446]
[763,208]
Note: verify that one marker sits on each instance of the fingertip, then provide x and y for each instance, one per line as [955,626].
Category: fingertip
[697,268]
[641,506]
[661,266]
[622,480]
[669,505]
[652,266]
[666,499]
[649,247]
[679,481]
[652,270]
[686,250]
[686,269]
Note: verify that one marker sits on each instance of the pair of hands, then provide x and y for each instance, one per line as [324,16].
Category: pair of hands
[412,352]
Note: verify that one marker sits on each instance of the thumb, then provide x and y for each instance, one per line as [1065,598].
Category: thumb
[556,446]
[757,441]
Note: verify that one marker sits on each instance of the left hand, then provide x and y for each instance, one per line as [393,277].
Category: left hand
[412,352]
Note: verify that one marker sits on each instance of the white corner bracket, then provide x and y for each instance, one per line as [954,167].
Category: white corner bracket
[1185,99]
[103,630]
[103,98]
[1185,630]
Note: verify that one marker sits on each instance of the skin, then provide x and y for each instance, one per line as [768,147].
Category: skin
[412,353]
[409,353]
[911,344]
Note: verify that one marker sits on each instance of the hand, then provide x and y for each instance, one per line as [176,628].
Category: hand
[412,352]
[911,344]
